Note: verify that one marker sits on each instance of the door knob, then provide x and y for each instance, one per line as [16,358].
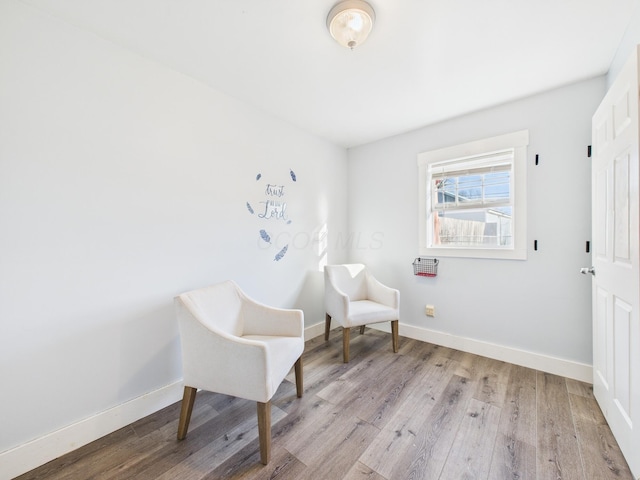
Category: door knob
[585,270]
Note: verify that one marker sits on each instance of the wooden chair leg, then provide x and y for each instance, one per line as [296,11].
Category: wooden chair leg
[188,398]
[394,335]
[299,383]
[264,431]
[327,326]
[346,333]
[361,329]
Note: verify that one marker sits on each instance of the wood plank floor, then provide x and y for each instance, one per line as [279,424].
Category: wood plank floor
[427,412]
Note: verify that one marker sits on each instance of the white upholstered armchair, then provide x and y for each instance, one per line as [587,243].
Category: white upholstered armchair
[236,346]
[354,298]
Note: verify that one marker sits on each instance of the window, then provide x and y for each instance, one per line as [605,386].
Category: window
[473,199]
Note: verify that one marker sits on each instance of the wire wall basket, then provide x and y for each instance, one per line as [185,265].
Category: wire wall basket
[425,267]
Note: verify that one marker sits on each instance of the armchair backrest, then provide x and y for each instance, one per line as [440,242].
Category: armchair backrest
[349,278]
[219,307]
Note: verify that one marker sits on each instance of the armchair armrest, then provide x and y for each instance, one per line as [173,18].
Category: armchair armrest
[336,302]
[380,293]
[260,319]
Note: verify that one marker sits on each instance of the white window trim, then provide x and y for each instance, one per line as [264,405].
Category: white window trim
[518,141]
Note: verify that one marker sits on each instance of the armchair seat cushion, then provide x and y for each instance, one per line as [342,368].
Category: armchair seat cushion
[363,312]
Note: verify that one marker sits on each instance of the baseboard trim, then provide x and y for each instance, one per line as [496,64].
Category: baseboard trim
[313,331]
[536,361]
[37,452]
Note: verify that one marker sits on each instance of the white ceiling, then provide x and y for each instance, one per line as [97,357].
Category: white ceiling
[425,61]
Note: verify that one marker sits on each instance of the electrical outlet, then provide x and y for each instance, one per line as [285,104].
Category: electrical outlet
[430,311]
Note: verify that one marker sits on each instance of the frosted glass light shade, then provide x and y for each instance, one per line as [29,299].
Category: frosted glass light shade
[350,22]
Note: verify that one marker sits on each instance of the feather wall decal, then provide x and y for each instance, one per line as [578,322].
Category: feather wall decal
[281,253]
[265,236]
[293,175]
[258,177]
[249,208]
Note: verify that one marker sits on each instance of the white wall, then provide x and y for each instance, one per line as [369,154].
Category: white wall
[122,184]
[541,305]
[629,42]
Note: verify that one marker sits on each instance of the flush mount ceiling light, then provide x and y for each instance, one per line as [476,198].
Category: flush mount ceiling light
[350,22]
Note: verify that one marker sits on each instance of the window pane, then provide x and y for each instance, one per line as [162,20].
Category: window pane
[446,189]
[484,227]
[469,190]
[497,186]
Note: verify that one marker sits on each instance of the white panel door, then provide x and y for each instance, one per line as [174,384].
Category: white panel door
[616,282]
